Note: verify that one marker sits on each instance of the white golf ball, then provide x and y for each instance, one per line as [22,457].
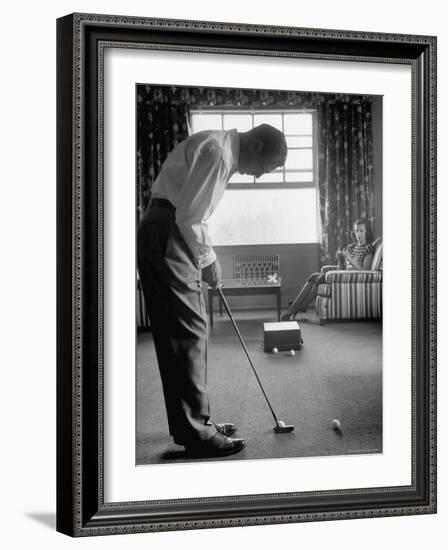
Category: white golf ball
[274,350]
[292,352]
[336,424]
[281,423]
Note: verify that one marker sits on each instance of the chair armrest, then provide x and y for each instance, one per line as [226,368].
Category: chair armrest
[349,276]
[326,268]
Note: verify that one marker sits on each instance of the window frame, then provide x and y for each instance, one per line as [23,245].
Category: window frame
[229,109]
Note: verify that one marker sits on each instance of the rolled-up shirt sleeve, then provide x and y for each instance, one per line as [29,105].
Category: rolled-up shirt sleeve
[202,190]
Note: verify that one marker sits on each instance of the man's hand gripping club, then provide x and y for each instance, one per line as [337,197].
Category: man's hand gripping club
[212,274]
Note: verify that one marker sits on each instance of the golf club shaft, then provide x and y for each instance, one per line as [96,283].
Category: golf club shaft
[229,313]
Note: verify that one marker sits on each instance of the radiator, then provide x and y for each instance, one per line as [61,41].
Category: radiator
[255,267]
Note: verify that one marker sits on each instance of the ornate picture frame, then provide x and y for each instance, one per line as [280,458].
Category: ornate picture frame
[81,506]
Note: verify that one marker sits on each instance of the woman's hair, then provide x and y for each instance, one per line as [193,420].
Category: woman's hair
[366,224]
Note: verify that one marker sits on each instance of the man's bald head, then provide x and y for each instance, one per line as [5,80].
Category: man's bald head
[274,142]
[262,149]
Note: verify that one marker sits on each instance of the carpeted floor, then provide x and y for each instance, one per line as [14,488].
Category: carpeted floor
[337,374]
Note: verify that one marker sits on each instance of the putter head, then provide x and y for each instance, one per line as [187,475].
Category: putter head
[283,429]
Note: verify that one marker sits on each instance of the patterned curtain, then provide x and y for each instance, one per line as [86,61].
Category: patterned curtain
[346,185]
[162,123]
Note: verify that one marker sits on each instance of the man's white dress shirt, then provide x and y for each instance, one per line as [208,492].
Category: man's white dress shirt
[193,178]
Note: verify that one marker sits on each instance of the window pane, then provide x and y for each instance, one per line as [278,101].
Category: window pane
[299,123]
[299,141]
[252,216]
[201,122]
[239,178]
[299,158]
[273,120]
[271,177]
[241,122]
[299,177]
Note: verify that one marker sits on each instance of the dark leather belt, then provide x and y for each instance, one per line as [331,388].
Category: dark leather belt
[164,203]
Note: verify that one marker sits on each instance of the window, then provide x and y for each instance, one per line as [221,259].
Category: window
[298,128]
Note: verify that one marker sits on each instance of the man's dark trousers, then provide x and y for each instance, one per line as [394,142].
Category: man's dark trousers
[171,282]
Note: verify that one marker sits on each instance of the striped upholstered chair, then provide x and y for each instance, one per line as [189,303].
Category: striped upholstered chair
[352,294]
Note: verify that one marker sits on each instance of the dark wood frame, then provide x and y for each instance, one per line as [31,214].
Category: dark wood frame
[81,510]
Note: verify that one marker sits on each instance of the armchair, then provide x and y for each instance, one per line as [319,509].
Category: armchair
[352,294]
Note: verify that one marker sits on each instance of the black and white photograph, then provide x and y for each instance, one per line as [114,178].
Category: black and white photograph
[259,274]
[236,344]
[221,309]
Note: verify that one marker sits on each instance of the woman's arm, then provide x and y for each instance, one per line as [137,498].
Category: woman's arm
[352,261]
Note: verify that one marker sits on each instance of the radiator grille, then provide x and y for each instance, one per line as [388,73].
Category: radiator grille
[255,267]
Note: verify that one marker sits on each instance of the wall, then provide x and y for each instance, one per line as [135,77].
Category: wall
[28,326]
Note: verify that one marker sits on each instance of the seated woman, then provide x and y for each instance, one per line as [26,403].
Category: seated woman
[357,256]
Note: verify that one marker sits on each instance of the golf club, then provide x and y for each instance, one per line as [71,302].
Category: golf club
[280,426]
